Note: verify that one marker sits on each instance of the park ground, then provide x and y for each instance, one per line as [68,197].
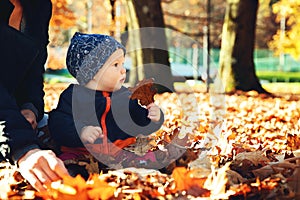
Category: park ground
[238,146]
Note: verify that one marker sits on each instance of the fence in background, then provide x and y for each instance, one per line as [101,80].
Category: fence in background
[264,59]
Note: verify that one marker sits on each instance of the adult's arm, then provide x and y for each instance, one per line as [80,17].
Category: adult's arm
[18,133]
[30,94]
[39,167]
[5,9]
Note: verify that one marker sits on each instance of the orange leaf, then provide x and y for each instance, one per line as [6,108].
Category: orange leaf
[101,189]
[185,179]
[104,192]
[78,182]
[179,175]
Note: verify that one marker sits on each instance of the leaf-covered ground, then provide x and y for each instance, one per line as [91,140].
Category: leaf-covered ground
[241,146]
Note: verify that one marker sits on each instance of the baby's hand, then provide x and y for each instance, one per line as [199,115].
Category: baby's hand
[153,112]
[90,133]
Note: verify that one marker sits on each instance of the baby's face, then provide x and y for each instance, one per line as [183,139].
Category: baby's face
[111,75]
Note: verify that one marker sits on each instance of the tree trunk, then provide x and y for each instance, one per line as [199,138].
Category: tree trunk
[152,42]
[236,56]
[134,50]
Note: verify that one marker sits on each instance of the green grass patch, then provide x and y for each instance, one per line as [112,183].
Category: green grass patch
[275,88]
[276,76]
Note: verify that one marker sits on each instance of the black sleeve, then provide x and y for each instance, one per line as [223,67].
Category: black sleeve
[30,94]
[5,10]
[17,135]
[130,116]
[31,89]
[139,116]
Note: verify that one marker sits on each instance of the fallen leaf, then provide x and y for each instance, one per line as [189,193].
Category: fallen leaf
[185,181]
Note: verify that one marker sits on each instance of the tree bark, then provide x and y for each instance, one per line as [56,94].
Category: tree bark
[152,40]
[237,68]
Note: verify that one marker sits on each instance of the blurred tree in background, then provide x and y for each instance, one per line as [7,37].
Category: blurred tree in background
[287,37]
[150,59]
[187,17]
[237,69]
[116,17]
[266,25]
[62,19]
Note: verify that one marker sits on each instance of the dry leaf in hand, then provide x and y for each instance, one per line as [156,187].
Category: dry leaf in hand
[144,92]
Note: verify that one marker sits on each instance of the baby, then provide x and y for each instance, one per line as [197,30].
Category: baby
[96,117]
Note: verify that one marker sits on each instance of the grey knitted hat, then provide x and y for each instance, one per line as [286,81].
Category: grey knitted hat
[87,53]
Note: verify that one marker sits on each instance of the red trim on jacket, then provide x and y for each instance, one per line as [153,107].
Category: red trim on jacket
[103,122]
[105,147]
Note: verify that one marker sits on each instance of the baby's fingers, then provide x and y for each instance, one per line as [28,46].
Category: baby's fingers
[99,132]
[150,106]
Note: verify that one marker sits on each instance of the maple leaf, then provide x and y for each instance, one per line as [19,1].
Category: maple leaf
[143,91]
[177,138]
[185,180]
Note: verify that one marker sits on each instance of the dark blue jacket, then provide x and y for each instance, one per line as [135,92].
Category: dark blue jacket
[23,55]
[79,106]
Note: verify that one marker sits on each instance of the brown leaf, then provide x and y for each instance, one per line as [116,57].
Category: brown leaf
[294,180]
[263,172]
[234,177]
[293,141]
[141,146]
[245,162]
[256,158]
[143,91]
[177,140]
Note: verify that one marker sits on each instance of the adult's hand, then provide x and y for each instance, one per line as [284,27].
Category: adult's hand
[41,167]
[30,117]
